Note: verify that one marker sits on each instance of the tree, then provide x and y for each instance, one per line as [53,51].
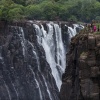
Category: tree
[73,18]
[16,13]
[22,2]
[5,6]
[33,12]
[82,10]
[50,10]
[97,18]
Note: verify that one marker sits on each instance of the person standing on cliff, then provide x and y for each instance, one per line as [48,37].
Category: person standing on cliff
[98,28]
[94,28]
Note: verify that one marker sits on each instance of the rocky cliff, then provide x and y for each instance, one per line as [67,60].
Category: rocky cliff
[24,71]
[81,80]
[32,59]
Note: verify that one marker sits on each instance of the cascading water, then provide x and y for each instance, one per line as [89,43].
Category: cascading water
[32,61]
[73,31]
[48,43]
[22,38]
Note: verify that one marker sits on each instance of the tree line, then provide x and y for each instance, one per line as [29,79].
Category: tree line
[77,10]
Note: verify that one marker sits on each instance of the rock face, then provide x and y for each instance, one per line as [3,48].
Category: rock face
[24,71]
[32,59]
[81,80]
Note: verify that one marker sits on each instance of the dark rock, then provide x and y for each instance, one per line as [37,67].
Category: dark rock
[83,69]
[21,75]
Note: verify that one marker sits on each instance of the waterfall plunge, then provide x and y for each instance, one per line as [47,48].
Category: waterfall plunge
[54,48]
[47,44]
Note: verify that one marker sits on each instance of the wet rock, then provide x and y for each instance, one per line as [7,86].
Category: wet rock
[24,71]
[83,69]
[94,71]
[91,42]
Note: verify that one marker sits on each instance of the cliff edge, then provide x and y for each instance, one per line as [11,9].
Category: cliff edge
[81,80]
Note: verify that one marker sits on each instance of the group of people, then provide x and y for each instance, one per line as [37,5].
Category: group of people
[93,27]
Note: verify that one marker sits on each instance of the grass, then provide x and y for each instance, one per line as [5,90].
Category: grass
[97,33]
[98,24]
[84,54]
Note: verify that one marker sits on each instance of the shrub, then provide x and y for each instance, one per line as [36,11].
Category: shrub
[15,14]
[33,12]
[97,18]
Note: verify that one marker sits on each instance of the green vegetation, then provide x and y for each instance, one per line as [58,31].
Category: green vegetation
[83,55]
[77,10]
[97,33]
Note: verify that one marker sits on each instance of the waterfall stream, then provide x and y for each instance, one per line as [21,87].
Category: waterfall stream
[32,61]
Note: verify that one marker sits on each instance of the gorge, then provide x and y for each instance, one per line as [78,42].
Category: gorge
[33,59]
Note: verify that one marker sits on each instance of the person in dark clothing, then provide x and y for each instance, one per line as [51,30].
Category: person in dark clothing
[98,29]
[92,25]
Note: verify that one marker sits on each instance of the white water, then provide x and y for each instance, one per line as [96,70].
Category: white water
[52,63]
[15,90]
[71,32]
[55,53]
[49,47]
[22,38]
[38,33]
[40,92]
[7,91]
[50,58]
[37,59]
[39,70]
[60,48]
[47,88]
[79,26]
[0,52]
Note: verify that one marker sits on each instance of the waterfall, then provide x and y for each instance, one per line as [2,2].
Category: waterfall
[61,58]
[73,31]
[38,33]
[0,52]
[32,61]
[40,94]
[57,65]
[7,90]
[22,38]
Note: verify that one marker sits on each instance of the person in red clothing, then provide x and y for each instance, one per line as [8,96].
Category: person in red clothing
[94,28]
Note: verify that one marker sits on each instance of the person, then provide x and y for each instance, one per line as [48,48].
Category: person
[98,28]
[94,28]
[89,27]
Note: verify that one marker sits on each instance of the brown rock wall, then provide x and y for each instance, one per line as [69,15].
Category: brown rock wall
[83,70]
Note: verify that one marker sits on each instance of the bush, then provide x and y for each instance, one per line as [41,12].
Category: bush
[50,10]
[97,18]
[33,12]
[73,18]
[15,14]
[64,13]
